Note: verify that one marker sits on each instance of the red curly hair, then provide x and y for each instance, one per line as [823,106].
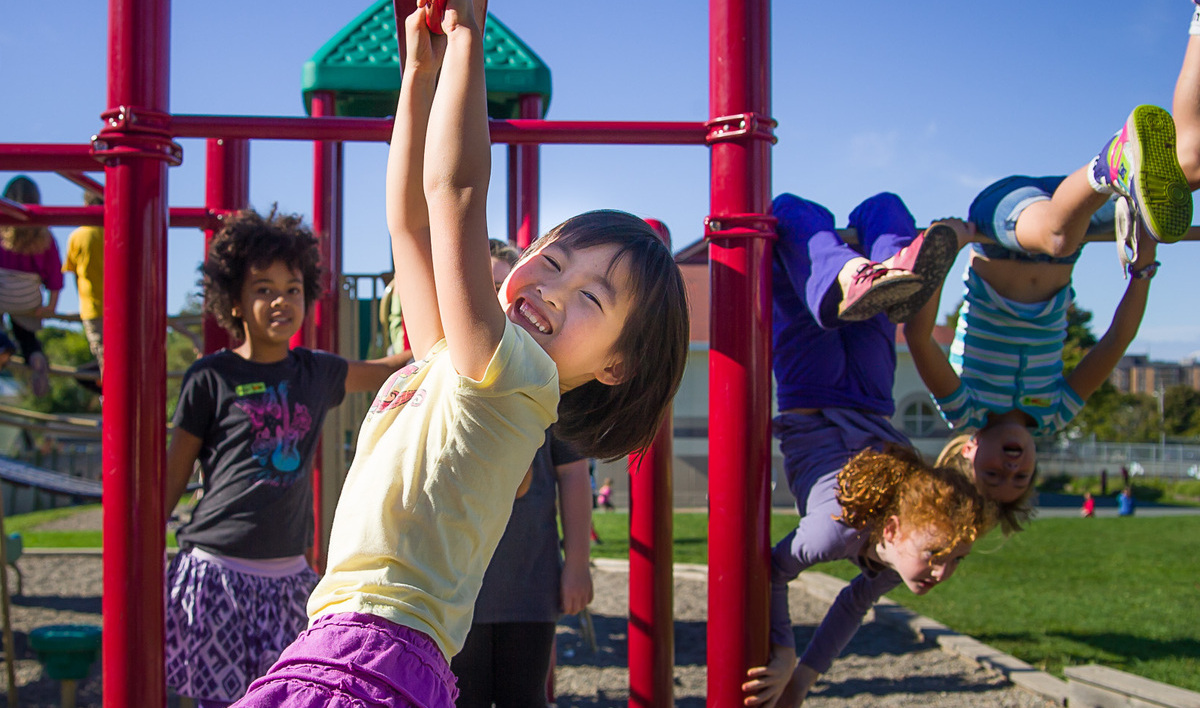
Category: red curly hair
[874,486]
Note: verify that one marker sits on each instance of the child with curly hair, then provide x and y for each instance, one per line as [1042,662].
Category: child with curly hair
[899,520]
[251,416]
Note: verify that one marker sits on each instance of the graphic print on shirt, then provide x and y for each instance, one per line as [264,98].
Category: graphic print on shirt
[278,426]
[393,394]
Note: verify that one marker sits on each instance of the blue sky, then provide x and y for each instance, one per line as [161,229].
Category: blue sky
[931,100]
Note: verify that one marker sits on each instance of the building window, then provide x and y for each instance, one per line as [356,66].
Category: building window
[920,419]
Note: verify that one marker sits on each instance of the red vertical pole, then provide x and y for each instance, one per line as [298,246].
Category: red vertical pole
[322,328]
[227,188]
[527,172]
[136,147]
[739,352]
[651,576]
[514,192]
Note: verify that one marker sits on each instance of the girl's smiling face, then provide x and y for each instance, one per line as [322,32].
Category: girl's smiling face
[271,304]
[1004,459]
[574,302]
[919,555]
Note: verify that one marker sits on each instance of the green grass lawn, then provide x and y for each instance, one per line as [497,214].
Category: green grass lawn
[26,525]
[1123,592]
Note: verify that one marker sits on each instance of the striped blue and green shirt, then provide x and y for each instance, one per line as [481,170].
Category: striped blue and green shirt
[1009,357]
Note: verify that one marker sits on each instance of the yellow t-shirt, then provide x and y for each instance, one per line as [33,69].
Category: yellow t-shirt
[427,499]
[85,258]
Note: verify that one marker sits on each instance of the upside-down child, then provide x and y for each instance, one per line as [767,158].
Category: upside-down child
[1003,380]
[834,308]
[251,416]
[895,517]
[591,327]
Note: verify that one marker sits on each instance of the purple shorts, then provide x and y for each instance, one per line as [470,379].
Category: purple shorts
[356,660]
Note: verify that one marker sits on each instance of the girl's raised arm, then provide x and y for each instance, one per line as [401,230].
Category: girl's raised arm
[930,360]
[407,213]
[1096,366]
[457,169]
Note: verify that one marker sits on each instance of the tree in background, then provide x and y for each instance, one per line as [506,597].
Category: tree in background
[1125,417]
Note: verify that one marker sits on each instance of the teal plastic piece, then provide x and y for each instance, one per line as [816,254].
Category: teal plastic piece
[360,66]
[14,548]
[67,651]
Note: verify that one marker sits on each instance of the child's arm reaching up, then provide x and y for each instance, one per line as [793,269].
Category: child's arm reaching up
[407,214]
[930,360]
[457,168]
[1099,362]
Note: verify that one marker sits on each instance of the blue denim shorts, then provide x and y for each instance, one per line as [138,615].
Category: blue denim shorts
[995,211]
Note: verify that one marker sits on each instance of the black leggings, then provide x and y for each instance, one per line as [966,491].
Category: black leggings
[26,339]
[506,664]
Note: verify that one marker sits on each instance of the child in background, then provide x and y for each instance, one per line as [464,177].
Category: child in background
[251,416]
[897,519]
[835,389]
[604,495]
[1088,510]
[85,258]
[1004,377]
[29,261]
[530,581]
[591,325]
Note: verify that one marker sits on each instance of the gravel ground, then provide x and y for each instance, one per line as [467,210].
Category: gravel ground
[882,666]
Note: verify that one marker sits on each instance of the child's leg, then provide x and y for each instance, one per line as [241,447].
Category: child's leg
[998,209]
[887,233]
[826,273]
[522,662]
[1186,107]
[884,226]
[1141,163]
[472,668]
[1056,227]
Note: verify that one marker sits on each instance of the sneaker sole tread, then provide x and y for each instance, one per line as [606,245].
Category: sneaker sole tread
[1163,197]
[881,297]
[933,263]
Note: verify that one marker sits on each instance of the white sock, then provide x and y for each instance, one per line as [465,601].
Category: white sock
[1195,26]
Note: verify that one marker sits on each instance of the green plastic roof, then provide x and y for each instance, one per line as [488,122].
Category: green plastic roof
[360,66]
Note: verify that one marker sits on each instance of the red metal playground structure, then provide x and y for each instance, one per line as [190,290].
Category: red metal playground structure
[135,147]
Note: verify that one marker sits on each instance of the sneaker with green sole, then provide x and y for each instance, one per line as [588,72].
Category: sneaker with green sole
[1140,163]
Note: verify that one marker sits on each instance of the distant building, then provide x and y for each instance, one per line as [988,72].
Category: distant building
[1137,374]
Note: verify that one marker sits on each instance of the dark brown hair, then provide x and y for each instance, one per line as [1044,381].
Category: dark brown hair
[876,485]
[250,240]
[503,250]
[608,422]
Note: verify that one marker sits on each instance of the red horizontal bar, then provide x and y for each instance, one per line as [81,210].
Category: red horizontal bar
[523,131]
[598,132]
[84,181]
[46,157]
[17,212]
[182,217]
